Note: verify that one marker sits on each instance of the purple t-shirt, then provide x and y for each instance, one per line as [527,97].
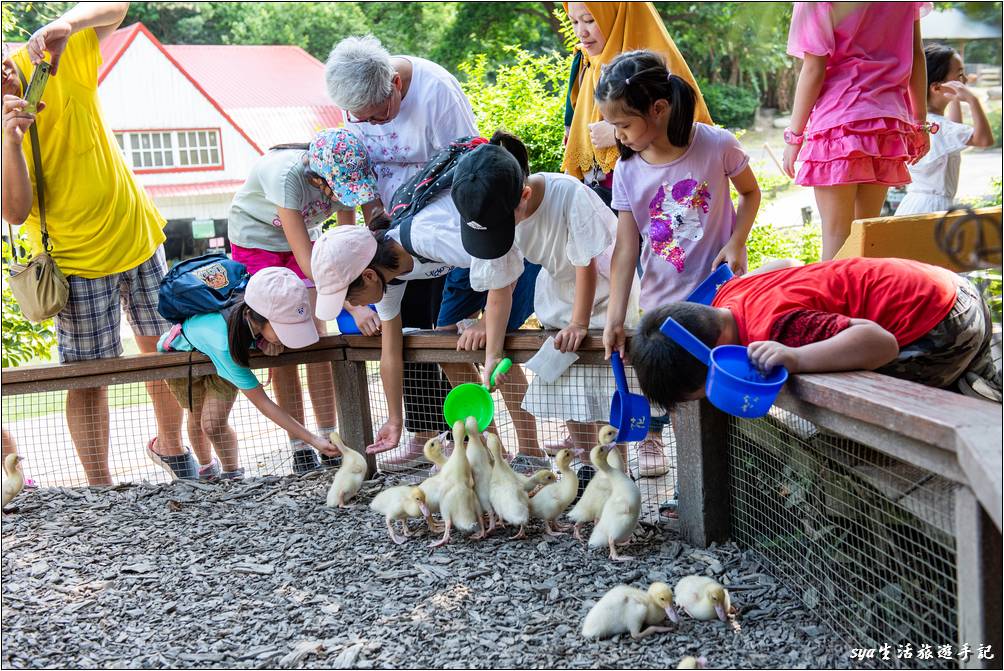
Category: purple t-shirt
[683,210]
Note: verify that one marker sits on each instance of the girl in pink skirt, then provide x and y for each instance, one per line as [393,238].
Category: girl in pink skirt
[860,106]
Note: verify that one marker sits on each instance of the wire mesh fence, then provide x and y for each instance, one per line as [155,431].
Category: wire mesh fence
[40,426]
[866,540]
[533,421]
[53,435]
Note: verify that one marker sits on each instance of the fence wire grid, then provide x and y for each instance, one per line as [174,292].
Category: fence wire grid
[867,541]
[37,425]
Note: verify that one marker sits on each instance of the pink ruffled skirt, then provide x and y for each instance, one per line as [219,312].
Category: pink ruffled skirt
[869,151]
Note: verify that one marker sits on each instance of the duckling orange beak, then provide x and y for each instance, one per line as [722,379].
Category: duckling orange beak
[673,616]
[720,609]
[424,508]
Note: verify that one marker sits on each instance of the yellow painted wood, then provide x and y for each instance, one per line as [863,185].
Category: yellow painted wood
[914,237]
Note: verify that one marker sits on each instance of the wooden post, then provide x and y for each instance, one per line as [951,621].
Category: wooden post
[355,424]
[702,469]
[978,579]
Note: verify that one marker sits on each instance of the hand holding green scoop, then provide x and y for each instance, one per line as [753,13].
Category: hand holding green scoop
[473,400]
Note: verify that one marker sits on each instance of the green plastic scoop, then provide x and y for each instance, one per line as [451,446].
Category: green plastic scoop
[473,400]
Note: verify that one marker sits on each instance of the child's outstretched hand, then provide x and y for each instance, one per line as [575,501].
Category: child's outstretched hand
[325,447]
[767,354]
[733,254]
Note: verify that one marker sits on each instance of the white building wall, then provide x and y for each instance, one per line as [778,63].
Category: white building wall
[195,207]
[146,91]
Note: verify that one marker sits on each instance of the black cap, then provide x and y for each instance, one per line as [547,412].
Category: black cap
[487,187]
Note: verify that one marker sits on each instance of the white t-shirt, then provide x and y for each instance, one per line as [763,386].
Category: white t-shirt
[435,235]
[571,227]
[434,112]
[276,180]
[936,176]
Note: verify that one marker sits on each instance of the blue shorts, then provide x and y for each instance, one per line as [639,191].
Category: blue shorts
[460,301]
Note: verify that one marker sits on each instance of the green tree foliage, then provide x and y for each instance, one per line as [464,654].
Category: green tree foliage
[739,43]
[526,98]
[489,27]
[731,106]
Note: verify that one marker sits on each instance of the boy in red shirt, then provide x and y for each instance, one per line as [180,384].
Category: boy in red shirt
[902,318]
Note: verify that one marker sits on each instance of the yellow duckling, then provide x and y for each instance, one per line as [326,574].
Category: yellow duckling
[622,508]
[540,478]
[13,478]
[690,662]
[481,467]
[552,500]
[459,504]
[507,496]
[597,492]
[397,504]
[350,475]
[703,598]
[433,485]
[627,609]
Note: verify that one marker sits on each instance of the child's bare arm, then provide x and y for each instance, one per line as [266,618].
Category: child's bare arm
[734,251]
[810,82]
[864,345]
[622,273]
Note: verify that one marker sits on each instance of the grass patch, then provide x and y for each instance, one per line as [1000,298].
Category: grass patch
[28,406]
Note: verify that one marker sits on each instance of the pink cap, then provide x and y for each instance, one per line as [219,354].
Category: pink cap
[339,257]
[279,296]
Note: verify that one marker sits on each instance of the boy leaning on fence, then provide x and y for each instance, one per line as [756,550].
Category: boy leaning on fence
[104,232]
[902,318]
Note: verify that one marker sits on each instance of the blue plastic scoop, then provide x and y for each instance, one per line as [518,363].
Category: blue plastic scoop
[734,384]
[629,413]
[706,290]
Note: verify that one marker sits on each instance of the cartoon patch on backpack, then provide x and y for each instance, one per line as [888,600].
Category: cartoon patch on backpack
[213,276]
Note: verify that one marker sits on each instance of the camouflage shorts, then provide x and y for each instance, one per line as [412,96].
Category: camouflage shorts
[958,344]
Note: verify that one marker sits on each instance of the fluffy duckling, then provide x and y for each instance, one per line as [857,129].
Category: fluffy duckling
[433,485]
[597,492]
[459,504]
[349,476]
[622,508]
[481,467]
[690,662]
[627,609]
[703,598]
[433,451]
[552,500]
[13,478]
[540,478]
[397,504]
[508,497]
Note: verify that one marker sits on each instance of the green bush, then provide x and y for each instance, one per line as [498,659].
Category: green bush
[731,106]
[526,98]
[22,340]
[766,242]
[994,117]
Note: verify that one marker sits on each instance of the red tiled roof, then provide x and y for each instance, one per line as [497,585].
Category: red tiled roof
[222,186]
[270,93]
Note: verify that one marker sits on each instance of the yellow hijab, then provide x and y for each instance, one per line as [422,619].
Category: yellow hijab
[627,26]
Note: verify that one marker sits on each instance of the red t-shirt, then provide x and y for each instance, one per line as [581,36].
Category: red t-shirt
[906,298]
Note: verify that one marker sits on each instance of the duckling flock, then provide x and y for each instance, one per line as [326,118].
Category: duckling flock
[476,491]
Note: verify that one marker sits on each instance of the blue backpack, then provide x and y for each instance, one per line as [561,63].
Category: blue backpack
[209,283]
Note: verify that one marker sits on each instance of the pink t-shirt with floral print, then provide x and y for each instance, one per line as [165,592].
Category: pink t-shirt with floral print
[683,210]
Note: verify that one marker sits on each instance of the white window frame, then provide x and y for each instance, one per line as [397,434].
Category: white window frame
[171,150]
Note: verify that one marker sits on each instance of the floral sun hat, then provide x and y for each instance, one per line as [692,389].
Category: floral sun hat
[341,159]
